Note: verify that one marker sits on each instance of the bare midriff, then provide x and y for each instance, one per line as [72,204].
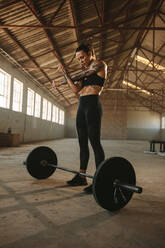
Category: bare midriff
[90,90]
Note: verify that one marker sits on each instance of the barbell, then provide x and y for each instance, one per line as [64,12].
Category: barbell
[114,181]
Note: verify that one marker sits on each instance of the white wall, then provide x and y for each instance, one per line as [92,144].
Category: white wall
[30,128]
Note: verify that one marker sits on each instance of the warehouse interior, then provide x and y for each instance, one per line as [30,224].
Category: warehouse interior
[36,109]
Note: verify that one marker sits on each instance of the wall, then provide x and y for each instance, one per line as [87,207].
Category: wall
[122,119]
[70,124]
[162,131]
[30,128]
[119,121]
[113,121]
[143,125]
[162,134]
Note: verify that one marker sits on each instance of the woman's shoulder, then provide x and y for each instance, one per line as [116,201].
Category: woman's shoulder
[98,65]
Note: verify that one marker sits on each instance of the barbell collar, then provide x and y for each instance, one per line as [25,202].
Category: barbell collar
[129,187]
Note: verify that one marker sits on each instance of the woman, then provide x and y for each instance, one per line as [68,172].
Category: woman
[88,121]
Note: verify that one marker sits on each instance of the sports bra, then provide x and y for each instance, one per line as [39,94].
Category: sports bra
[93,79]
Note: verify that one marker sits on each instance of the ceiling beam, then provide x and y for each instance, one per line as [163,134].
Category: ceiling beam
[155,53]
[50,40]
[74,20]
[56,12]
[81,26]
[127,8]
[153,64]
[141,36]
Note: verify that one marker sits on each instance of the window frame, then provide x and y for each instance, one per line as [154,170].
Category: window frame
[55,114]
[44,108]
[31,113]
[163,122]
[18,98]
[61,117]
[49,111]
[37,106]
[5,98]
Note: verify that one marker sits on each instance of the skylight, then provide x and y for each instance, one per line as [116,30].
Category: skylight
[149,63]
[133,86]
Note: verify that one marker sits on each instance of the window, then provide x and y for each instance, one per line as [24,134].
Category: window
[163,122]
[55,114]
[49,111]
[17,95]
[30,102]
[61,117]
[149,63]
[5,81]
[133,86]
[37,108]
[44,109]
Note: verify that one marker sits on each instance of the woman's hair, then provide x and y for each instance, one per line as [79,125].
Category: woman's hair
[83,47]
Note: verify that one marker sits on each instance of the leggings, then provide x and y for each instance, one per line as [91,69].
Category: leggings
[88,124]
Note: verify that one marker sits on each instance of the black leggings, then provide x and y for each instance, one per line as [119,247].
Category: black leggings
[88,123]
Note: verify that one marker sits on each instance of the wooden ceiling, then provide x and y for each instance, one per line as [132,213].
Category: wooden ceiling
[38,35]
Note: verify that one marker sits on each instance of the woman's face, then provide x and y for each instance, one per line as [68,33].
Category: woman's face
[83,58]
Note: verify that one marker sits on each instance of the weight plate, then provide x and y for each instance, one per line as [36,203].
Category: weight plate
[36,160]
[105,193]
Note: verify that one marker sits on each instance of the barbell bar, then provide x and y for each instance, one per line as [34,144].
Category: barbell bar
[114,181]
[44,163]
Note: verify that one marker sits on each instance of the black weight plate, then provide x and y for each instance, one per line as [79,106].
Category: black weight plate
[106,195]
[34,165]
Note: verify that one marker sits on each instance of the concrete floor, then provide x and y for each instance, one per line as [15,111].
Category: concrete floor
[46,213]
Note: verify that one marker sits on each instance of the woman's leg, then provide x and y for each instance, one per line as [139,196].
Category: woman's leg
[93,116]
[83,140]
[80,180]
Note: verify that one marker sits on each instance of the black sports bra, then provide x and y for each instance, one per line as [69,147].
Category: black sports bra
[93,79]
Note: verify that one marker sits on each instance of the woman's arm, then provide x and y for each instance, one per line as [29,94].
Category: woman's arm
[75,87]
[96,66]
